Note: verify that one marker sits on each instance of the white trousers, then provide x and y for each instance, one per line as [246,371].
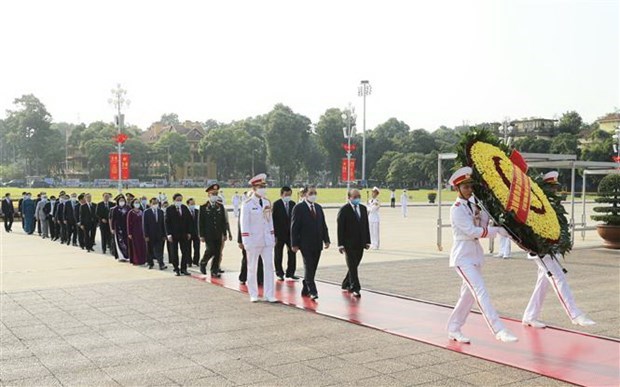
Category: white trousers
[505,246]
[236,210]
[374,234]
[473,290]
[404,209]
[266,253]
[560,286]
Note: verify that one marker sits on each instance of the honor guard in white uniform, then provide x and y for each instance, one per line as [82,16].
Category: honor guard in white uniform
[373,218]
[236,201]
[258,238]
[551,273]
[469,224]
[403,203]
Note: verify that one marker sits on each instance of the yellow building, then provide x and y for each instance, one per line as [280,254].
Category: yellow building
[609,122]
[199,167]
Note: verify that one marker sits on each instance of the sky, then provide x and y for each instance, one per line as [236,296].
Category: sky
[429,62]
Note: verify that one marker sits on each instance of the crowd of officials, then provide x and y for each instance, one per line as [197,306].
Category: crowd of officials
[139,229]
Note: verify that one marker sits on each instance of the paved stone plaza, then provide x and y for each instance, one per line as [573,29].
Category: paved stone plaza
[72,318]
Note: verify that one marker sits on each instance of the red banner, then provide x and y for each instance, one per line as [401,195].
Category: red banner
[616,159]
[348,170]
[519,197]
[349,148]
[125,162]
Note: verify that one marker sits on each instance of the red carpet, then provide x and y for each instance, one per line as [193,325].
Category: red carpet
[556,353]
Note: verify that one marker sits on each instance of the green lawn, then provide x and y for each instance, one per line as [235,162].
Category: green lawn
[325,195]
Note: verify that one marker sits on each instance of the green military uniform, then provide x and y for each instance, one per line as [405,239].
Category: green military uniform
[213,225]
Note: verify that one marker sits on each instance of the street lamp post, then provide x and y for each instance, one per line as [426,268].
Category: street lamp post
[616,138]
[118,101]
[364,90]
[506,129]
[349,117]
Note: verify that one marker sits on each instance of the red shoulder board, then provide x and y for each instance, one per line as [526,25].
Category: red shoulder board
[457,204]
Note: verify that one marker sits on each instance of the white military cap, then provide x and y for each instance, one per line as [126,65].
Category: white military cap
[551,177]
[462,175]
[261,178]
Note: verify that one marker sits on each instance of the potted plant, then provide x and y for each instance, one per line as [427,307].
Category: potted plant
[609,193]
[431,197]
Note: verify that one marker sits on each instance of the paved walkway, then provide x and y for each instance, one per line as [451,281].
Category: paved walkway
[107,323]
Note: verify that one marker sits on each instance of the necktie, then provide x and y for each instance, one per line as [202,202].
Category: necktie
[312,210]
[469,205]
[260,201]
[357,214]
[286,208]
[179,209]
[155,211]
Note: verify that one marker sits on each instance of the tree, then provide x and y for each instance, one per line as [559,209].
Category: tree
[532,144]
[30,124]
[418,141]
[141,157]
[174,148]
[285,134]
[381,140]
[570,122]
[565,143]
[170,119]
[382,167]
[314,157]
[330,137]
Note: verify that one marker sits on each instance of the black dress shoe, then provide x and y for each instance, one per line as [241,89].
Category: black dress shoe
[189,264]
[280,278]
[357,294]
[314,296]
[221,271]
[216,275]
[163,267]
[150,267]
[242,282]
[304,293]
[292,277]
[184,272]
[177,273]
[203,269]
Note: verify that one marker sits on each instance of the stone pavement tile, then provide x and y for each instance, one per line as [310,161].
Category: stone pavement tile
[448,382]
[351,372]
[72,331]
[484,365]
[218,381]
[150,378]
[539,381]
[212,359]
[327,363]
[417,376]
[375,381]
[182,375]
[454,369]
[41,347]
[36,381]
[497,378]
[25,367]
[422,359]
[124,336]
[87,378]
[240,372]
[387,366]
[67,362]
[87,341]
[32,332]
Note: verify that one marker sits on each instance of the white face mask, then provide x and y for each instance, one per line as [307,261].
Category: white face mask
[311,198]
[286,199]
[178,204]
[136,205]
[261,192]
[121,203]
[213,198]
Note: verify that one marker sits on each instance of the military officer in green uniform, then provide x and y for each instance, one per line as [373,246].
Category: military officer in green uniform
[212,225]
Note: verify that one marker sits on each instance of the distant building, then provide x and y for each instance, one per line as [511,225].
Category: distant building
[609,122]
[539,127]
[199,167]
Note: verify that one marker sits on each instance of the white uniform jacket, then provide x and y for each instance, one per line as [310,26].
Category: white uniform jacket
[373,210]
[257,223]
[465,231]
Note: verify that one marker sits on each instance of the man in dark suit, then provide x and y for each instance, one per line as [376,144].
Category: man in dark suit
[59,215]
[282,212]
[212,230]
[103,216]
[178,228]
[8,212]
[194,243]
[309,234]
[20,210]
[353,238]
[71,213]
[154,233]
[49,209]
[88,222]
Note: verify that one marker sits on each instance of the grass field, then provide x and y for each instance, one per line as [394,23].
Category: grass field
[325,195]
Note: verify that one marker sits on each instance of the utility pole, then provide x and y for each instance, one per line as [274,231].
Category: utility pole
[364,90]
[119,101]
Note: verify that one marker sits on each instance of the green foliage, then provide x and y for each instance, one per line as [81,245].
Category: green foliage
[173,148]
[609,192]
[531,144]
[570,122]
[330,138]
[522,234]
[170,119]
